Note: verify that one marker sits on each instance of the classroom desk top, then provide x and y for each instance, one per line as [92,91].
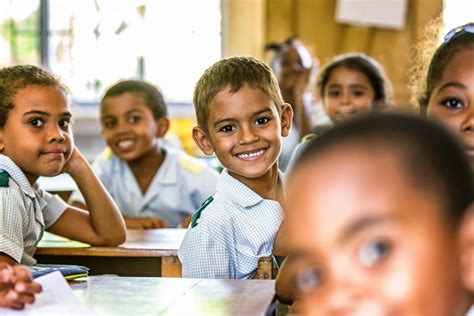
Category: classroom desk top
[111,295]
[151,252]
[142,243]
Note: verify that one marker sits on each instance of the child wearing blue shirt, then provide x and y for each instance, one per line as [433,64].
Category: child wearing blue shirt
[241,118]
[153,185]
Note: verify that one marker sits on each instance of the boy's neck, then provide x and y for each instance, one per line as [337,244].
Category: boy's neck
[267,186]
[145,167]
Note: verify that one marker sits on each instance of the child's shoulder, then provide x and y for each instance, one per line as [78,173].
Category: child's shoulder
[186,162]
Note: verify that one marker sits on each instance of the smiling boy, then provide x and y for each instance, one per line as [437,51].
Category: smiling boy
[241,118]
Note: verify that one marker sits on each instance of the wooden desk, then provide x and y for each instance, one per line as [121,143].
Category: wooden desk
[150,252]
[108,295]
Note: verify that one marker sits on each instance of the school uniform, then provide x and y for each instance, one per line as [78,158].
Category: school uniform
[25,212]
[230,233]
[178,188]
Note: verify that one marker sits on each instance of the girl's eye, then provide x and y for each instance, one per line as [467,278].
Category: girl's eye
[309,278]
[37,122]
[227,129]
[453,103]
[372,252]
[64,123]
[334,93]
[134,119]
[358,93]
[262,120]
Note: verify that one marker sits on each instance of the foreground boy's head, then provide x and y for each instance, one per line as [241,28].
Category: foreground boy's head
[133,115]
[380,220]
[241,116]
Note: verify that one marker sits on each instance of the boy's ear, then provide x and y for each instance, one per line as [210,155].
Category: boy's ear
[466,241]
[200,138]
[286,118]
[2,146]
[163,126]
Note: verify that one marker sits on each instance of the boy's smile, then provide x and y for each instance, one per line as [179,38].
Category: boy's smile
[368,241]
[128,126]
[244,131]
[37,135]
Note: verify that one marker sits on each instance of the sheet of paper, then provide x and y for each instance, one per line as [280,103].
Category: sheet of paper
[55,299]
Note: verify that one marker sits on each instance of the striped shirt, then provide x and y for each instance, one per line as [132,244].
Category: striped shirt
[25,212]
[232,233]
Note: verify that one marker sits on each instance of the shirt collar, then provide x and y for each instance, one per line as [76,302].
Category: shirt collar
[17,175]
[167,173]
[239,192]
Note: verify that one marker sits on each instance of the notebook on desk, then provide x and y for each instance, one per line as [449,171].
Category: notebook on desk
[69,271]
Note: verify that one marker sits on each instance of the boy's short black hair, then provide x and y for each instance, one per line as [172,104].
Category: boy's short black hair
[153,97]
[430,155]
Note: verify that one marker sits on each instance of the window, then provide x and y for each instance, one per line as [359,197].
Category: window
[93,43]
[457,12]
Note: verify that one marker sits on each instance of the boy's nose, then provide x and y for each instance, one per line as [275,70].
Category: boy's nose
[247,135]
[345,98]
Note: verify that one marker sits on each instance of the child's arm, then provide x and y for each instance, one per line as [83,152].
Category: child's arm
[147,222]
[103,224]
[16,286]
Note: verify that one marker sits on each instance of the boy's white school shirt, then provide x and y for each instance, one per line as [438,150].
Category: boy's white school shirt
[25,212]
[177,189]
[233,232]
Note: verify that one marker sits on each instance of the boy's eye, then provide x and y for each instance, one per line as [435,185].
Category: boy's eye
[372,252]
[134,119]
[453,103]
[108,124]
[262,120]
[309,278]
[36,122]
[227,129]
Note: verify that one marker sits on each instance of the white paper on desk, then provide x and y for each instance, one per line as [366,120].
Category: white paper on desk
[55,299]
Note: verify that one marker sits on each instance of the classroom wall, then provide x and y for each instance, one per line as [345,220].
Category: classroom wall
[249,24]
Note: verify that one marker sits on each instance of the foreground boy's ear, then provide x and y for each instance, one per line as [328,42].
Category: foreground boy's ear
[286,119]
[2,146]
[163,126]
[202,141]
[466,236]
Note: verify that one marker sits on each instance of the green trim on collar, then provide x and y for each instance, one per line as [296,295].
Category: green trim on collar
[4,179]
[197,213]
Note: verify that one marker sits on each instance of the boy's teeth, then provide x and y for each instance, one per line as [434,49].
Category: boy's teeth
[125,144]
[255,154]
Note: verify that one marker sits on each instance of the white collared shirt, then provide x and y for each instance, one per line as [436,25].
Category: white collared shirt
[233,232]
[25,212]
[177,189]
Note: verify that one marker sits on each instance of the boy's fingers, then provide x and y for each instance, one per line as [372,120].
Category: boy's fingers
[22,273]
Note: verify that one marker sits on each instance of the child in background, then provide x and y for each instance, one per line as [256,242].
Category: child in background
[392,203]
[350,85]
[154,185]
[447,86]
[241,118]
[35,140]
[16,286]
[296,70]
[353,84]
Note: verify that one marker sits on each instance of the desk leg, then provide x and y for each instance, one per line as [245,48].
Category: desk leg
[170,267]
